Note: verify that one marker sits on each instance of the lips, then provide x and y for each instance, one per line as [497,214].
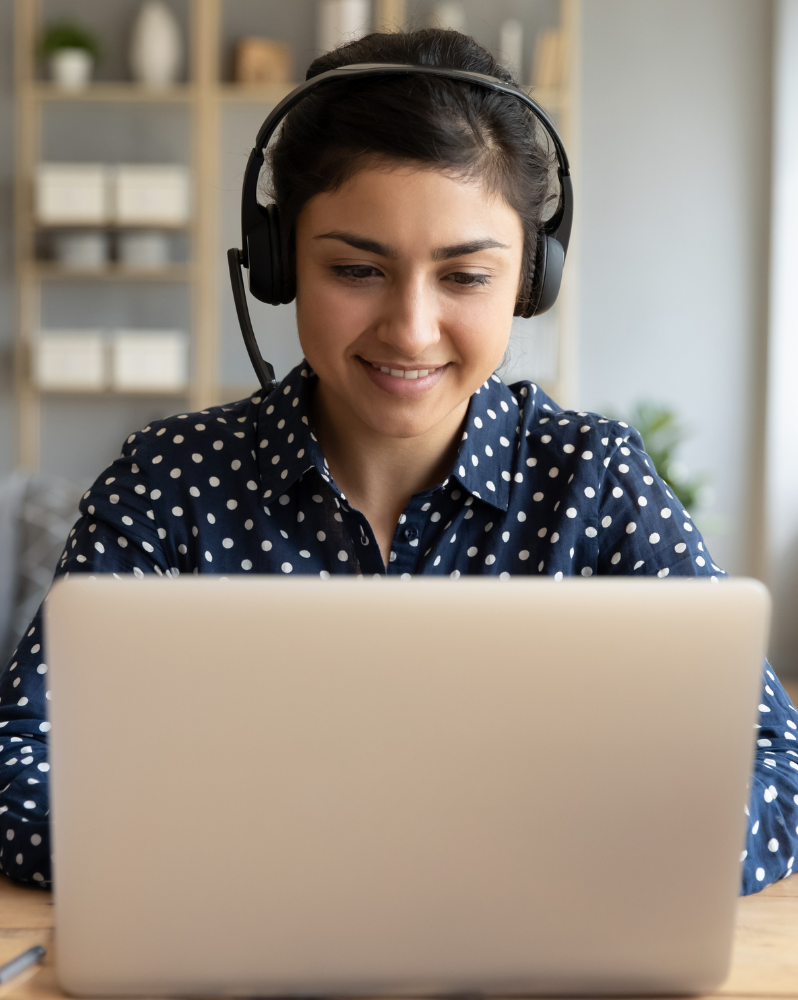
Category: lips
[407,373]
[403,381]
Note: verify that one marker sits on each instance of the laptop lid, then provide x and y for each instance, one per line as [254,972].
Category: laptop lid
[274,786]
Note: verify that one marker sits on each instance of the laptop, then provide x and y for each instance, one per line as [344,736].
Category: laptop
[297,787]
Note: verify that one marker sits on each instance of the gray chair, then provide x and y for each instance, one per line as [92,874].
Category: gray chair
[36,515]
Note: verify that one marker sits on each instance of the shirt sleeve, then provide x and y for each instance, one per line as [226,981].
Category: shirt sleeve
[772,838]
[645,530]
[116,533]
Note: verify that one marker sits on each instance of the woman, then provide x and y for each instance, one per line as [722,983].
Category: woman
[412,205]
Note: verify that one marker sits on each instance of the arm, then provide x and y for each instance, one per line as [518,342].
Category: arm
[772,838]
[665,542]
[643,529]
[116,533]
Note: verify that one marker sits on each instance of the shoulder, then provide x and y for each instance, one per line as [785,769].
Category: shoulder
[227,423]
[564,435]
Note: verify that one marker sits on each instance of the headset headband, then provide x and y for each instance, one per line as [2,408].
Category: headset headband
[254,216]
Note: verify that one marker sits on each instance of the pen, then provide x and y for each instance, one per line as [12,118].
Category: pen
[16,965]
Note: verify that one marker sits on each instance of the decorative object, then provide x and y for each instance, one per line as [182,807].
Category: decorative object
[81,251]
[260,60]
[143,250]
[70,360]
[150,361]
[448,14]
[548,68]
[152,195]
[342,21]
[71,194]
[156,46]
[390,15]
[71,52]
[511,46]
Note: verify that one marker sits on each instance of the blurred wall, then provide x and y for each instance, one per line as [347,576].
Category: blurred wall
[674,182]
[782,446]
[6,235]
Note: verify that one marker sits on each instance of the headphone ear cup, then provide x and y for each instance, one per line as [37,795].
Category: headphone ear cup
[283,274]
[551,278]
[543,285]
[275,254]
[269,279]
[530,291]
[288,262]
[259,255]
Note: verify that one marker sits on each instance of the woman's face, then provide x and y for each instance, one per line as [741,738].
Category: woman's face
[406,283]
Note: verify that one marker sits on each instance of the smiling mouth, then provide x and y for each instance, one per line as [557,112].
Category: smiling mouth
[406,373]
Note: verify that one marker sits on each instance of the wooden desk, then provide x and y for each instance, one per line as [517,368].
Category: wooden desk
[765,964]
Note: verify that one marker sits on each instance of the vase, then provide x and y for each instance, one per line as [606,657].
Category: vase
[449,15]
[156,45]
[341,21]
[71,68]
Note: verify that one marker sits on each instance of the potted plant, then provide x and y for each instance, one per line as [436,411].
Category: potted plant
[71,52]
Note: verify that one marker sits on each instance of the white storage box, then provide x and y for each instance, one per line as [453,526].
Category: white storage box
[70,360]
[152,195]
[143,250]
[150,360]
[82,250]
[69,194]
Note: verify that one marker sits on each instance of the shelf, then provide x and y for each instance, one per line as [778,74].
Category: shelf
[134,93]
[269,93]
[171,227]
[111,393]
[125,93]
[47,271]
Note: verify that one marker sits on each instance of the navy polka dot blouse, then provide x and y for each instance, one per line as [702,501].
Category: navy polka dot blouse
[244,488]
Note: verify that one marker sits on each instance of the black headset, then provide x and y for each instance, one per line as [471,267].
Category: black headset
[263,250]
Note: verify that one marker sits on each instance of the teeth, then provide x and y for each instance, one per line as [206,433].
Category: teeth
[398,373]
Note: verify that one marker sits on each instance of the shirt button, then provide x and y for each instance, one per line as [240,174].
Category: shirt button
[411,533]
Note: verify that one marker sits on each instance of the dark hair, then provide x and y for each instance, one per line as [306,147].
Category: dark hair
[444,123]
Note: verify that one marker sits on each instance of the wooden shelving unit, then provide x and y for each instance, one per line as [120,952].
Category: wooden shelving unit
[205,97]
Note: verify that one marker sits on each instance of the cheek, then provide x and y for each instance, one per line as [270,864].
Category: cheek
[329,317]
[480,327]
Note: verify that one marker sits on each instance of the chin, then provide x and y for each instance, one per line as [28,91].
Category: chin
[402,426]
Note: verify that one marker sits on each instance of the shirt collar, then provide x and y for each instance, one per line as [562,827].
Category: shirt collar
[487,452]
[287,446]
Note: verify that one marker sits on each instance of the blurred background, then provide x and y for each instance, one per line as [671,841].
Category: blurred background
[124,131]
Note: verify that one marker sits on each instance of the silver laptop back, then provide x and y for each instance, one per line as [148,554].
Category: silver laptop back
[296,787]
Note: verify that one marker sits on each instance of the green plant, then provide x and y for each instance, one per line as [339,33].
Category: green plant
[68,35]
[662,435]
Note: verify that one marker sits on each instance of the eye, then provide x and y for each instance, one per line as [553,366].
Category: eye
[356,272]
[468,278]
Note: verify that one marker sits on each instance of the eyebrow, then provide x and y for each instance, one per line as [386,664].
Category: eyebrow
[382,250]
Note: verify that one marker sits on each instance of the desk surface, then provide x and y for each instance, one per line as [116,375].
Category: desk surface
[765,963]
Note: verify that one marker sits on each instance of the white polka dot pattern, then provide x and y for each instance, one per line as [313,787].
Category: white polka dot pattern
[244,488]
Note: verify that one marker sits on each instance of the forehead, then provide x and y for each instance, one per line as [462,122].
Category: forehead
[410,196]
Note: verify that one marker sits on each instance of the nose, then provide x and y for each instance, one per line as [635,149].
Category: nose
[410,323]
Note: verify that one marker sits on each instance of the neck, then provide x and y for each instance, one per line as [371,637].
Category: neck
[379,474]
